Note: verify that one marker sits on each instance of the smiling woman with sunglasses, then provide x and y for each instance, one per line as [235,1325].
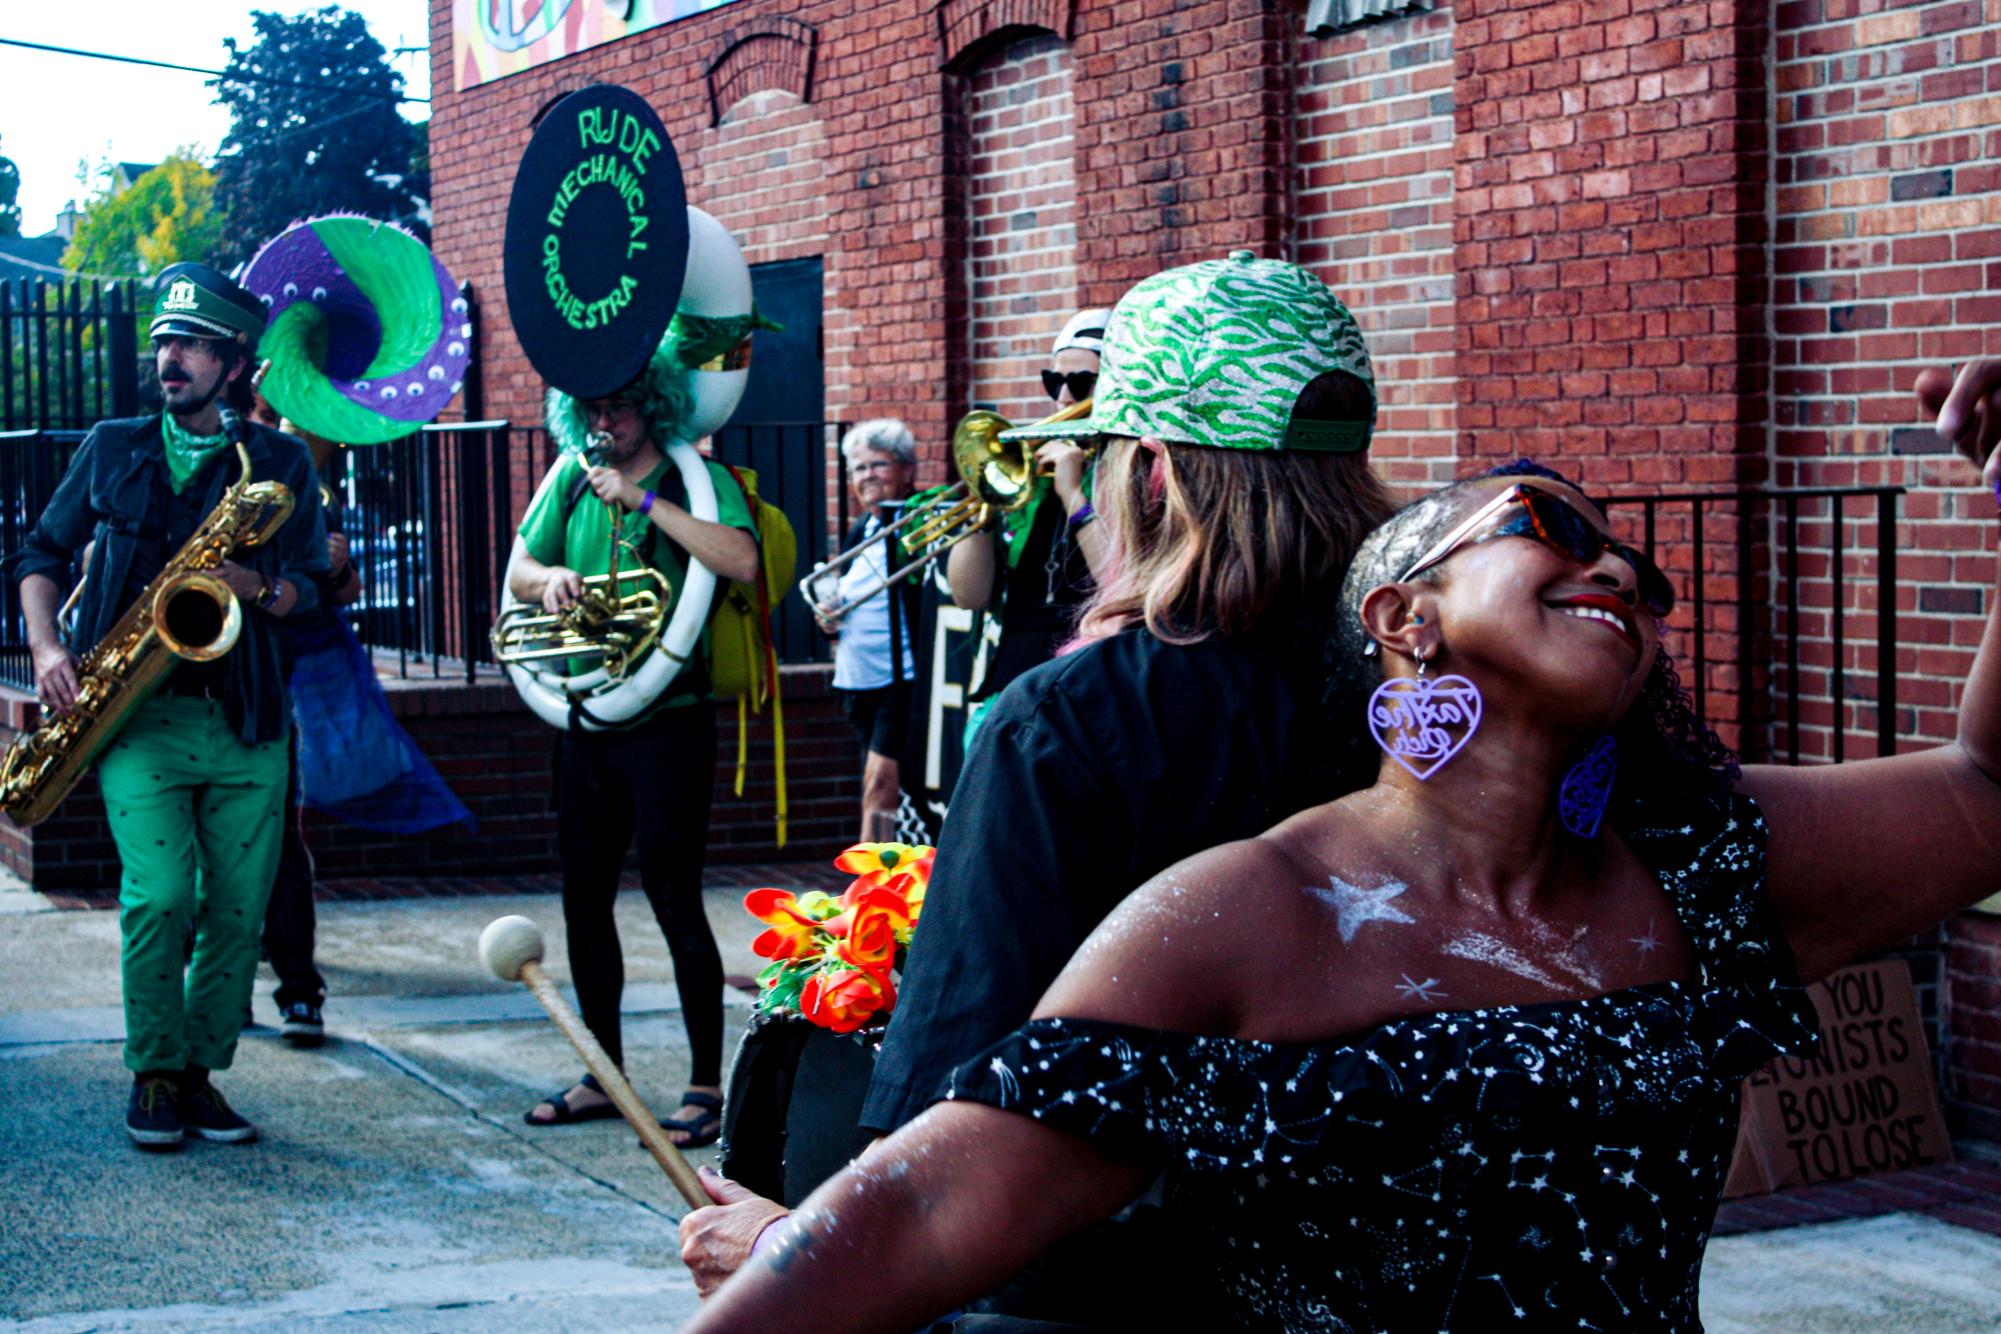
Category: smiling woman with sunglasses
[1459,1046]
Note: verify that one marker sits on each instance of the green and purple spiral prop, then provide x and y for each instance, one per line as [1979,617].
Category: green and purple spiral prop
[368,337]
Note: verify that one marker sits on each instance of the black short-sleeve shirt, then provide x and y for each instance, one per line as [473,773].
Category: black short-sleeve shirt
[1090,774]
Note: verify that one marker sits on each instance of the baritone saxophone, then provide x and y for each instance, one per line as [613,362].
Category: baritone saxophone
[187,612]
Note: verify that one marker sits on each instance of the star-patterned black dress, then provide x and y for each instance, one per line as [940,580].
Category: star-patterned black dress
[1535,1167]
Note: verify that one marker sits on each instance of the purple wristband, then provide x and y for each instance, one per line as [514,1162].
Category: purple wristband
[647,503]
[772,1233]
[1083,515]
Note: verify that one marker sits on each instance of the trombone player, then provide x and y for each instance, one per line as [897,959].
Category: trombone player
[1041,563]
[872,675]
[194,784]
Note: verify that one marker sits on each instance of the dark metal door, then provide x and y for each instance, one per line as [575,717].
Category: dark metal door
[778,432]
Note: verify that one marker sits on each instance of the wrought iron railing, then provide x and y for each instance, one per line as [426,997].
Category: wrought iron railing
[1788,640]
[1761,600]
[69,353]
[430,602]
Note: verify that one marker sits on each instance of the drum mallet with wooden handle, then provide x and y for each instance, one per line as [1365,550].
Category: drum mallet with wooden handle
[512,947]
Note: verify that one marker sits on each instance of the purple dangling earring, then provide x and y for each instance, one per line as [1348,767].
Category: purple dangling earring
[1414,721]
[1586,788]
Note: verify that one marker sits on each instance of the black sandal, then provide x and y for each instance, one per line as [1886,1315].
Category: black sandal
[566,1114]
[702,1130]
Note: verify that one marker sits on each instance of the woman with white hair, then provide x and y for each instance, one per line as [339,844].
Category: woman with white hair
[1044,559]
[872,679]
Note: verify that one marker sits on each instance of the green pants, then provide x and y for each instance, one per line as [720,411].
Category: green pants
[198,817]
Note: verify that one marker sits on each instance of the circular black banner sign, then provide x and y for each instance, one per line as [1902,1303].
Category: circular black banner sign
[597,241]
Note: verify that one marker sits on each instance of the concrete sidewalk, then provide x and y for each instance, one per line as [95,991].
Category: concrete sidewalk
[396,1188]
[395,1185]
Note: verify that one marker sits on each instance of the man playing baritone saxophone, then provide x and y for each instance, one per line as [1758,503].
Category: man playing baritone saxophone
[194,784]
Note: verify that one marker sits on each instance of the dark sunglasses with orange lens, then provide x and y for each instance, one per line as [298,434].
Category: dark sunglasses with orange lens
[1556,523]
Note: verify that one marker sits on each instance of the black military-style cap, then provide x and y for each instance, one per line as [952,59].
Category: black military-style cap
[196,301]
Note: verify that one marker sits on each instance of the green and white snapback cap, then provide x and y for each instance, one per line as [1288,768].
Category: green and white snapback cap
[1216,354]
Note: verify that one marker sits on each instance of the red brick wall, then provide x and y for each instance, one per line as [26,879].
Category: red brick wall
[1611,202]
[1888,213]
[496,757]
[1373,149]
[1973,1023]
[1611,228]
[1183,136]
[1021,207]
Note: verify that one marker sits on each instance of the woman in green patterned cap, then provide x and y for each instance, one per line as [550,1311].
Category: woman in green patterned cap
[1234,405]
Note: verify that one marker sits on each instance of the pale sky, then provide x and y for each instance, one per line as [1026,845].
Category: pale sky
[57,110]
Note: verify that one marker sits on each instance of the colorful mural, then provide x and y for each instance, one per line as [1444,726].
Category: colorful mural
[492,39]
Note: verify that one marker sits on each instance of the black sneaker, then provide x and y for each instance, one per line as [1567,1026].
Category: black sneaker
[152,1117]
[207,1116]
[302,1026]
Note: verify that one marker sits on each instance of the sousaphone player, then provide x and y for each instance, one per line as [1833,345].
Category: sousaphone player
[620,552]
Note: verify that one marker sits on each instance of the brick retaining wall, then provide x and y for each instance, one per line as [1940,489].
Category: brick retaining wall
[496,756]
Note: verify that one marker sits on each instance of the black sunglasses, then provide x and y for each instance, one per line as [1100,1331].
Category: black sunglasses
[1081,383]
[1555,522]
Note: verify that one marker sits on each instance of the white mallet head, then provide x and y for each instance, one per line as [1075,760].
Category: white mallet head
[509,942]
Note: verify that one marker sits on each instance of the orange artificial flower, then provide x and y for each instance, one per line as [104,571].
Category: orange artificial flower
[792,925]
[872,931]
[878,863]
[844,999]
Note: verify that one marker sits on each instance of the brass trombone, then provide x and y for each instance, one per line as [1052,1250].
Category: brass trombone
[995,476]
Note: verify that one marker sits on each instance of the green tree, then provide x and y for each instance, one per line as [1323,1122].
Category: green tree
[10,193]
[336,144]
[168,214]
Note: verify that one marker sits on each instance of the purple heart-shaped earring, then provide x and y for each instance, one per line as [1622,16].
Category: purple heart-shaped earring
[1586,789]
[1417,723]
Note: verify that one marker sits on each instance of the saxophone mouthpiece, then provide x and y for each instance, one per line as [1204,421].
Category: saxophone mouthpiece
[597,448]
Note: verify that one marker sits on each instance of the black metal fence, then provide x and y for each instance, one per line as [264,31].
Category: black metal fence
[1786,635]
[429,523]
[69,353]
[1774,624]
[31,463]
[790,460]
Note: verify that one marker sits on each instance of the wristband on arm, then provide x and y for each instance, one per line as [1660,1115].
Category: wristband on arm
[774,1232]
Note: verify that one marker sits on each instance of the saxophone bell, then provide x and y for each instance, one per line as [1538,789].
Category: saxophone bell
[186,612]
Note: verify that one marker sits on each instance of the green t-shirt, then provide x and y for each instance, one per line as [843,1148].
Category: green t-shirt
[584,544]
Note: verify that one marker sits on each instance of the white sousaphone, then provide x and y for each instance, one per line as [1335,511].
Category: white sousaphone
[614,691]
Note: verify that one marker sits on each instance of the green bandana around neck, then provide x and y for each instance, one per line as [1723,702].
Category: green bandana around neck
[187,453]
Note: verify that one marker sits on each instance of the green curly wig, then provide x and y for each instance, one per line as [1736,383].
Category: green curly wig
[662,388]
[661,392]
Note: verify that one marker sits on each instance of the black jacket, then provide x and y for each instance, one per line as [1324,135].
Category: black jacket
[116,493]
[1090,774]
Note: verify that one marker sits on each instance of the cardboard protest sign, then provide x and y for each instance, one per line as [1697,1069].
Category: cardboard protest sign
[1862,1102]
[597,241]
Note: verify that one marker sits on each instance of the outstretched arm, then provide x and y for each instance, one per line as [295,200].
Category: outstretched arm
[965,1195]
[947,1208]
[1864,854]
